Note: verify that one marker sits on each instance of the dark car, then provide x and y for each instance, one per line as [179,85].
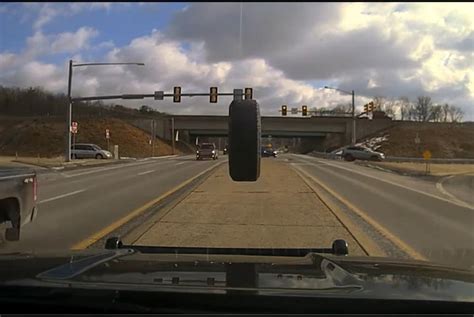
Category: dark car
[268,152]
[207,150]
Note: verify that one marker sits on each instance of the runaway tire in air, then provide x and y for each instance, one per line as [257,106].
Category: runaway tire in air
[244,140]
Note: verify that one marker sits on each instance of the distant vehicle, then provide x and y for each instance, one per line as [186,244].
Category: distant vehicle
[87,150]
[18,195]
[361,153]
[268,152]
[207,150]
[225,150]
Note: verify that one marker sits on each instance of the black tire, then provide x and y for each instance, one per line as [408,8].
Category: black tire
[244,140]
[13,214]
[349,157]
[375,158]
[99,156]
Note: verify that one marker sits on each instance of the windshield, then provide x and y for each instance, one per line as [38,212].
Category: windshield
[359,117]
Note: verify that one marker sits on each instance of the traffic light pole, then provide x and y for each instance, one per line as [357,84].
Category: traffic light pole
[69,115]
[354,139]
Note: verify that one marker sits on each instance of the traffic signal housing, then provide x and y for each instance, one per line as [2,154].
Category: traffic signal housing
[248,93]
[304,110]
[284,110]
[371,106]
[177,94]
[213,95]
[366,108]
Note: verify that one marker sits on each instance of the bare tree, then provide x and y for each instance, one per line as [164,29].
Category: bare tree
[456,114]
[379,102]
[343,108]
[422,108]
[445,112]
[389,107]
[436,113]
[404,104]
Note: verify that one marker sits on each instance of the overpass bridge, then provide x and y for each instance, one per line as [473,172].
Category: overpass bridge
[192,126]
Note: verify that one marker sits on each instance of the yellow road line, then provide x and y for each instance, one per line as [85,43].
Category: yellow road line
[134,213]
[384,231]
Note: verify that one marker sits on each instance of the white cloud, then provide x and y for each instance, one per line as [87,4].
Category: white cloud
[73,42]
[387,49]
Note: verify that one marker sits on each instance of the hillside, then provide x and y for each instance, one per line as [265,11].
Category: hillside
[44,136]
[444,140]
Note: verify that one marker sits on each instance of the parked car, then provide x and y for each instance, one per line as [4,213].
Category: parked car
[18,195]
[361,153]
[268,152]
[86,150]
[207,150]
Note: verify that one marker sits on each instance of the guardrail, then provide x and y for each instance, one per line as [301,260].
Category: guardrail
[400,159]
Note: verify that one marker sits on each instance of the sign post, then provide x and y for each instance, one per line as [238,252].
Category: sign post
[427,157]
[74,132]
[107,137]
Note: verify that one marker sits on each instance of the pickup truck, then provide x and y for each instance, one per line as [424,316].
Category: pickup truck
[18,196]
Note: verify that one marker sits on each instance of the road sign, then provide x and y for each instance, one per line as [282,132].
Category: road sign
[427,155]
[107,134]
[159,95]
[294,110]
[74,127]
[238,94]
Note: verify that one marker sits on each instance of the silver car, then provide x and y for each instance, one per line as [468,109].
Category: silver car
[361,153]
[86,150]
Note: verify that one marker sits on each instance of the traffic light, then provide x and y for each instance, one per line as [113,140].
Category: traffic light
[371,106]
[248,93]
[304,110]
[213,95]
[366,107]
[284,108]
[177,94]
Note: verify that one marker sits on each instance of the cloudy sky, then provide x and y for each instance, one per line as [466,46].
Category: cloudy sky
[286,51]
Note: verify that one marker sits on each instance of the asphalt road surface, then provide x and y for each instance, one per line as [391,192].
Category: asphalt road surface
[76,204]
[414,211]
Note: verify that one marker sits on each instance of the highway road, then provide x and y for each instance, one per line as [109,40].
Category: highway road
[74,205]
[412,214]
[426,221]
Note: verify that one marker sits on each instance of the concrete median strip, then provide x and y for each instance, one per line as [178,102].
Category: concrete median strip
[373,249]
[134,213]
[277,211]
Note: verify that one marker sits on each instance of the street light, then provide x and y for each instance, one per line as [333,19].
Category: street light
[69,86]
[353,141]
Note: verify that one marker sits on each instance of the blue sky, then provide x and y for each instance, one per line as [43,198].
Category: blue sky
[119,24]
[377,49]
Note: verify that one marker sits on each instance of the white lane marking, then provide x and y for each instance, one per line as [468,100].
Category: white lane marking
[111,168]
[179,163]
[62,196]
[395,184]
[439,186]
[147,172]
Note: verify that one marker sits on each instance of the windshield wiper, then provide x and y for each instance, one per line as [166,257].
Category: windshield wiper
[339,247]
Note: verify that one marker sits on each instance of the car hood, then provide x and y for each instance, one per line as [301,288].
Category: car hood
[311,275]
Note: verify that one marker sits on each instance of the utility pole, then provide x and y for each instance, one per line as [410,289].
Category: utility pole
[354,138]
[69,115]
[172,137]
